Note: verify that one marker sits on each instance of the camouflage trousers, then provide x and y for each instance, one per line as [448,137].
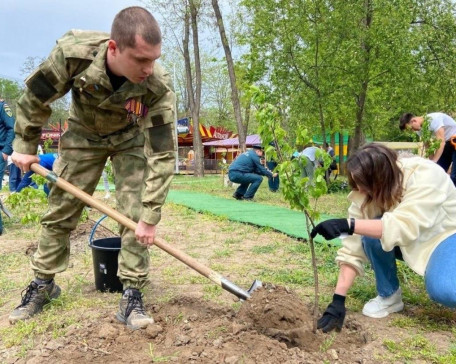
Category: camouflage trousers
[81,162]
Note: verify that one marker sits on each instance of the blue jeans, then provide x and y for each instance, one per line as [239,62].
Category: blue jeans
[273,182]
[384,265]
[15,175]
[439,276]
[248,183]
[2,169]
[441,272]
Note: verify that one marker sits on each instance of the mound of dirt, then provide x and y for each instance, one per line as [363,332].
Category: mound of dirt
[279,313]
[274,307]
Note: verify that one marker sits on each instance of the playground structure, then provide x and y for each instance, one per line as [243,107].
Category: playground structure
[416,147]
[413,147]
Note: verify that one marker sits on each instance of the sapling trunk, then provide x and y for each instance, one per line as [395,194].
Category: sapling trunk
[309,225]
[296,190]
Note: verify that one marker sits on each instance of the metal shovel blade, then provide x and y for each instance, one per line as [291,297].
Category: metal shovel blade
[255,285]
[5,210]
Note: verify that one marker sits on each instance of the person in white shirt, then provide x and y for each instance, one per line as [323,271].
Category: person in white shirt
[309,161]
[443,127]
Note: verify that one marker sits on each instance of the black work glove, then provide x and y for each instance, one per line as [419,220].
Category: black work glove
[331,229]
[333,317]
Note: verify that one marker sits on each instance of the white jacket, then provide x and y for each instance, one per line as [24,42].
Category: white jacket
[418,224]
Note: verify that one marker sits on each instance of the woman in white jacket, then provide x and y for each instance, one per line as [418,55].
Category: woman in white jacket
[400,209]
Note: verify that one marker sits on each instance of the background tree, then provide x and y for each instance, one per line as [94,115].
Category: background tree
[216,94]
[10,92]
[353,66]
[60,108]
[232,74]
[183,17]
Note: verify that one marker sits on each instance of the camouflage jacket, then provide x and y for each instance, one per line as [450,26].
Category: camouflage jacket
[77,63]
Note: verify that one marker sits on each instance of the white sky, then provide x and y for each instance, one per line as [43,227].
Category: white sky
[29,28]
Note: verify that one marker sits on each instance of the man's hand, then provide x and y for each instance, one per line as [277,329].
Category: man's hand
[331,229]
[274,175]
[145,233]
[4,156]
[334,316]
[23,161]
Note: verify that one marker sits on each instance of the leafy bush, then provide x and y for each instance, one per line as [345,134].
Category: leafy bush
[338,186]
[29,203]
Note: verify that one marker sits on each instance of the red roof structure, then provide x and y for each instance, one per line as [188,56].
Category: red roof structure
[207,135]
[251,140]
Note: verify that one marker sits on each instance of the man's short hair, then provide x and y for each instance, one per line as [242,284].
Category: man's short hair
[134,21]
[405,119]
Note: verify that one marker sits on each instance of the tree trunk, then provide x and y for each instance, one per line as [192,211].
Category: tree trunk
[188,70]
[197,142]
[248,108]
[232,74]
[318,92]
[358,138]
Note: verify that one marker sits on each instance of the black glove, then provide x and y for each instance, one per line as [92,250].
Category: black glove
[331,229]
[333,317]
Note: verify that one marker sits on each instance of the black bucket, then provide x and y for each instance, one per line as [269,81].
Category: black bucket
[105,253]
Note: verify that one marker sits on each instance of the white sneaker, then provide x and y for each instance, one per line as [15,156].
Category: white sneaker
[380,307]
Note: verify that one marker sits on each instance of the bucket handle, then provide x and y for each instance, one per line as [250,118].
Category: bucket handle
[92,233]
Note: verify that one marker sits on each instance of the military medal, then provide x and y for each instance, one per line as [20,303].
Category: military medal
[135,109]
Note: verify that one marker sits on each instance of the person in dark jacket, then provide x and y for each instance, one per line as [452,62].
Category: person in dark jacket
[6,140]
[247,170]
[6,136]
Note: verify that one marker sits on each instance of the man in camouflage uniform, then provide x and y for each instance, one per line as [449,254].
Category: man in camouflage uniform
[122,108]
[6,140]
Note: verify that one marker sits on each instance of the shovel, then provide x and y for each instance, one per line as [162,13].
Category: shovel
[5,210]
[130,224]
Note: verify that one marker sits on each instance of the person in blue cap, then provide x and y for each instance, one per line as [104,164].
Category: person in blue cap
[47,161]
[247,170]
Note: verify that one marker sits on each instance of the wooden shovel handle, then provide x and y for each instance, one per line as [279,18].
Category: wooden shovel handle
[125,221]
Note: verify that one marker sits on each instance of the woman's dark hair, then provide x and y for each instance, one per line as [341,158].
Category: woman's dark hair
[373,170]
